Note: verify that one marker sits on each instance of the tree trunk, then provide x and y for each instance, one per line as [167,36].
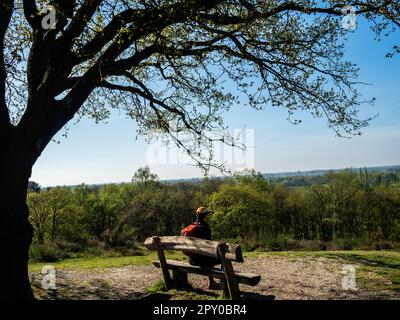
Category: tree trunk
[22,145]
[40,237]
[15,237]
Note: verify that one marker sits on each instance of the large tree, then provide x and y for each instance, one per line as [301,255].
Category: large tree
[163,62]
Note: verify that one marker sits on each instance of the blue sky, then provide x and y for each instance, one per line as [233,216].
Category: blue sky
[110,152]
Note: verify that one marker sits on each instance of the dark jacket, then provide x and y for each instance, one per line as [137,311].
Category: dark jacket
[203,231]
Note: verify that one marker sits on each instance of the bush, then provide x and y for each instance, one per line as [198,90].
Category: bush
[383,246]
[47,253]
[97,252]
[245,244]
[133,251]
[249,245]
[95,243]
[344,244]
[238,211]
[312,245]
[67,246]
[282,242]
[396,232]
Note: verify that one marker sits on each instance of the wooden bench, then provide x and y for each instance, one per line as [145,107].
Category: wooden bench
[226,253]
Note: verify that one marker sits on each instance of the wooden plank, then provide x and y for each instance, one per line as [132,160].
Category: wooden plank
[163,263]
[242,277]
[188,244]
[196,245]
[186,267]
[231,280]
[234,252]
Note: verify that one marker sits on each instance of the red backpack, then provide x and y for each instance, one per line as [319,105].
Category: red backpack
[189,231]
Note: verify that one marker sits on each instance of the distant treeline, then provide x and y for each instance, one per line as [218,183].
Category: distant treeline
[374,178]
[343,210]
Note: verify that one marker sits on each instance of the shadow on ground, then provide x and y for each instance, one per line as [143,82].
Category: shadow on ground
[257,296]
[99,290]
[199,294]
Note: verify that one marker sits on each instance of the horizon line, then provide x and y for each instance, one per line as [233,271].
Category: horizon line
[294,172]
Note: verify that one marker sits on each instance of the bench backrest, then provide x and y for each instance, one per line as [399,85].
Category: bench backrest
[195,245]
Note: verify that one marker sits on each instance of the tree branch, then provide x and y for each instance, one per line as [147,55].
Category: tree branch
[150,22]
[32,14]
[6,9]
[289,6]
[126,28]
[69,83]
[144,23]
[109,32]
[79,21]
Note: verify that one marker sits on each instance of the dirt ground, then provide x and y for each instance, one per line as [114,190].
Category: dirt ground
[281,278]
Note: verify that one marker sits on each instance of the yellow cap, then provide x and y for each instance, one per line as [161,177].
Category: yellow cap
[201,210]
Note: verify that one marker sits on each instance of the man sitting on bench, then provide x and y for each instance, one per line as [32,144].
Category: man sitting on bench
[201,229]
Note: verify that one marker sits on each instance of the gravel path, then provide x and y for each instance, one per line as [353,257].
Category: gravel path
[281,278]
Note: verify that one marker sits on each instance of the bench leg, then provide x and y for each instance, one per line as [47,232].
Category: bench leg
[230,277]
[163,263]
[225,289]
[180,279]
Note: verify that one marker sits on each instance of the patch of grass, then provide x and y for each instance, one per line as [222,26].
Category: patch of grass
[377,270]
[105,262]
[156,287]
[192,295]
[386,264]
[189,294]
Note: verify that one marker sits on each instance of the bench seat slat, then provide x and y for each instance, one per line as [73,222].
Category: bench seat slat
[245,278]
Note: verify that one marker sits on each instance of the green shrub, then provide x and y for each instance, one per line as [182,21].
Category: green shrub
[239,211]
[246,245]
[249,245]
[99,249]
[130,251]
[344,244]
[312,245]
[46,253]
[383,245]
[282,242]
[67,246]
[395,236]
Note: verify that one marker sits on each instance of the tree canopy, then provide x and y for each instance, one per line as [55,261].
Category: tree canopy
[165,64]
